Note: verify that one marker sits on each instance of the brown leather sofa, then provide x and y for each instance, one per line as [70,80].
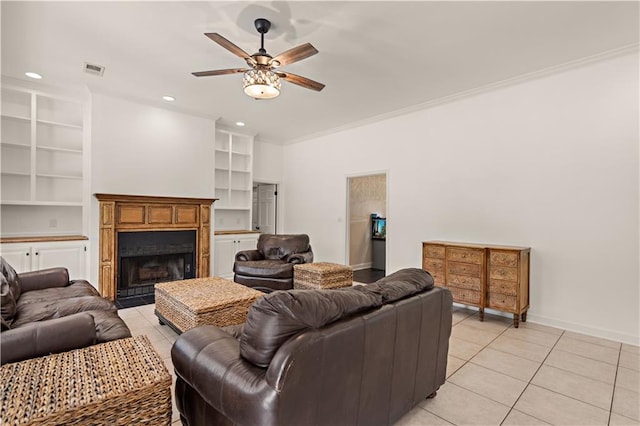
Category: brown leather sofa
[270,266]
[363,355]
[43,312]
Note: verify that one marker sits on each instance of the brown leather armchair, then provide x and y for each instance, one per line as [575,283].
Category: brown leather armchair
[270,266]
[361,355]
[43,312]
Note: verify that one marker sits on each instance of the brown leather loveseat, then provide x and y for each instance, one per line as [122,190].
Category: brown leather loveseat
[43,312]
[270,266]
[363,355]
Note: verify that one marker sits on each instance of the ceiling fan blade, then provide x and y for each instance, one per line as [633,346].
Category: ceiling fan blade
[228,45]
[301,81]
[295,54]
[219,72]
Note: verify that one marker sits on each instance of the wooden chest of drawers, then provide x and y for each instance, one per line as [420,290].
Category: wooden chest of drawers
[480,275]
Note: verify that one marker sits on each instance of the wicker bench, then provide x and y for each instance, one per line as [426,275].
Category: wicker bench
[322,275]
[186,304]
[122,382]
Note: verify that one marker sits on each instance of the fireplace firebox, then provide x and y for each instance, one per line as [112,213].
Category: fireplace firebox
[147,258]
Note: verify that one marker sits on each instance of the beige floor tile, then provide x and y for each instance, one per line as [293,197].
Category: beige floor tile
[532,336]
[463,349]
[473,334]
[630,360]
[463,407]
[502,362]
[176,423]
[518,418]
[167,332]
[489,383]
[558,409]
[575,386]
[163,348]
[591,339]
[169,364]
[589,350]
[628,379]
[618,420]
[540,327]
[420,417]
[453,364]
[129,314]
[531,351]
[578,364]
[631,348]
[459,316]
[626,403]
[491,323]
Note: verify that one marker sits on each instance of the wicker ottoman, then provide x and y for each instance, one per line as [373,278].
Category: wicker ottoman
[122,382]
[322,275]
[203,301]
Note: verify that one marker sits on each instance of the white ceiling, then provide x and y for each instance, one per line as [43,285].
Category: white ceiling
[375,57]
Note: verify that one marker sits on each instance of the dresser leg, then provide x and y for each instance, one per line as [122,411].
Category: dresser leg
[481,314]
[524,317]
[516,320]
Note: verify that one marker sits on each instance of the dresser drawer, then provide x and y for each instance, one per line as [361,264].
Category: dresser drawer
[438,278]
[465,255]
[502,258]
[503,273]
[501,301]
[503,287]
[433,251]
[463,295]
[464,269]
[433,265]
[465,281]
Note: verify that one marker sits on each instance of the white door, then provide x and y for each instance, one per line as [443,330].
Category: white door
[18,256]
[224,256]
[71,256]
[247,242]
[267,208]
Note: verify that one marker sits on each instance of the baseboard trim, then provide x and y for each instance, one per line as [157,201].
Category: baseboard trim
[568,326]
[361,266]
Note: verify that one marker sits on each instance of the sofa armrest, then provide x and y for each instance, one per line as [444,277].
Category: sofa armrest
[249,255]
[298,258]
[208,360]
[45,278]
[46,337]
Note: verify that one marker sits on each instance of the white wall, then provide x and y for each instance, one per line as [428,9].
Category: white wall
[140,149]
[550,163]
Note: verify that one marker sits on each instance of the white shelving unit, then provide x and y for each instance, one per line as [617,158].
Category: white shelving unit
[233,180]
[43,176]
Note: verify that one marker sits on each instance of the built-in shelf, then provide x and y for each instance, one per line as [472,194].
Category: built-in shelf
[27,174]
[16,145]
[56,149]
[16,117]
[42,203]
[59,124]
[53,176]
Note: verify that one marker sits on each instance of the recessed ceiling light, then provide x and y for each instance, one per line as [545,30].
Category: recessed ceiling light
[239,123]
[169,98]
[33,75]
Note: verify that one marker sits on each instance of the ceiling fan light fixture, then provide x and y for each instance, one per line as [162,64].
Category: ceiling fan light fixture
[261,84]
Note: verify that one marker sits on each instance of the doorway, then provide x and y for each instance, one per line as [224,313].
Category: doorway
[264,217]
[366,226]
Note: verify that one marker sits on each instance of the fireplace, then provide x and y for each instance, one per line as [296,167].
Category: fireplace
[147,258]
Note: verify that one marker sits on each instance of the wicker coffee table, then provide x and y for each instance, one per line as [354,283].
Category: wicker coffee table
[122,382]
[322,275]
[185,304]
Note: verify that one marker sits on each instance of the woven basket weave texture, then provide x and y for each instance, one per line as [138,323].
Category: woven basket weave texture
[122,382]
[204,301]
[321,275]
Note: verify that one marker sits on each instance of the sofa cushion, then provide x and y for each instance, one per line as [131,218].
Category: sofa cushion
[401,284]
[276,317]
[8,304]
[264,268]
[12,278]
[109,326]
[42,311]
[77,288]
[277,247]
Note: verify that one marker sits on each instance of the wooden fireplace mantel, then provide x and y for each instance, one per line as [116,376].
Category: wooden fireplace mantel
[131,213]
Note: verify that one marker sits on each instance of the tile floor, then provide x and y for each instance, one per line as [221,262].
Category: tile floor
[499,375]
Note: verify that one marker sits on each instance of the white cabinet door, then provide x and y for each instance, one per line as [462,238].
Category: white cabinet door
[70,256]
[18,256]
[225,249]
[224,255]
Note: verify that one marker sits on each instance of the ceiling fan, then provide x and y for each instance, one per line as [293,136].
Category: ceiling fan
[261,81]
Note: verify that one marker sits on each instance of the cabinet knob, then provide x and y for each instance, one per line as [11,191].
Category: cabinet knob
[27,253]
[37,253]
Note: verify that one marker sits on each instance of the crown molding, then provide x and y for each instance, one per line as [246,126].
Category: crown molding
[523,78]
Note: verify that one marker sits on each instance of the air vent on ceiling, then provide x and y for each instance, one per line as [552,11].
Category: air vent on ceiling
[93,69]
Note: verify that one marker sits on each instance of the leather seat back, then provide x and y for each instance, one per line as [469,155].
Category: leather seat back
[276,247]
